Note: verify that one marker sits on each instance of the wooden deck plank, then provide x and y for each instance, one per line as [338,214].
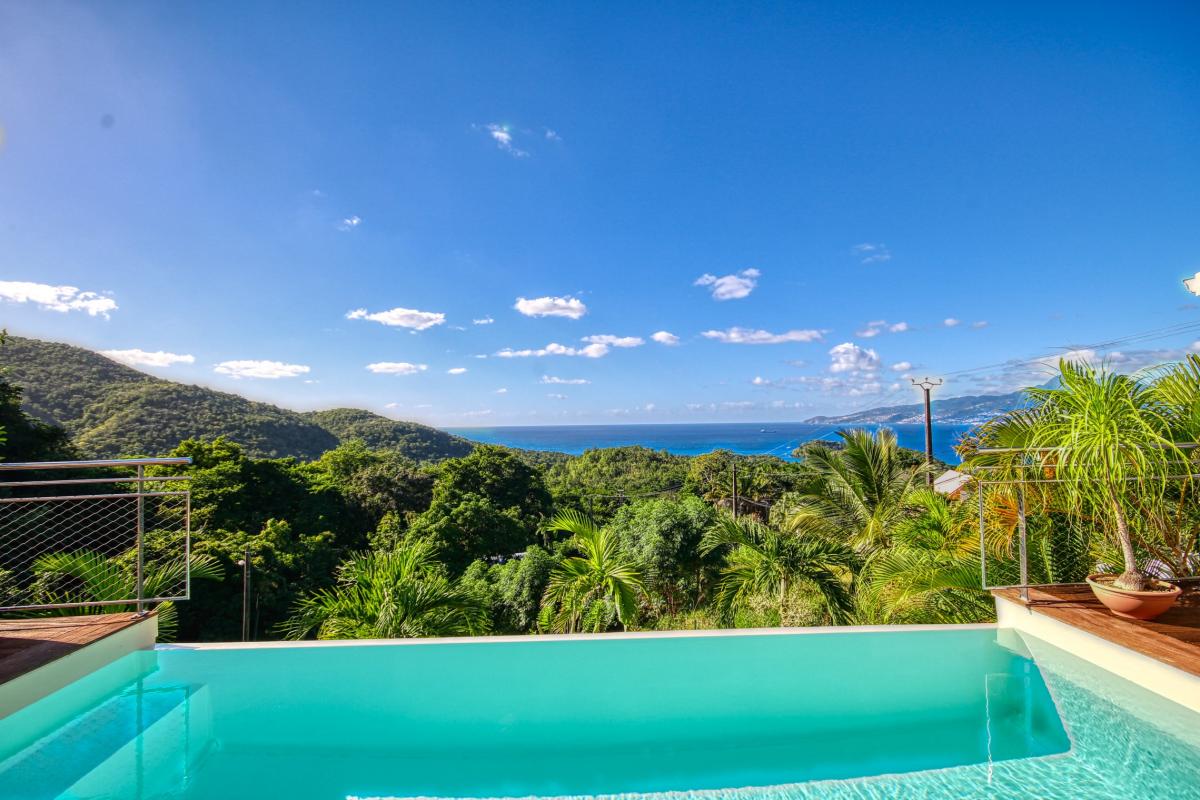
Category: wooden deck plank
[26,644]
[1173,638]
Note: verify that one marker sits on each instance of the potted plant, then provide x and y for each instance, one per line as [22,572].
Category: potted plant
[1104,441]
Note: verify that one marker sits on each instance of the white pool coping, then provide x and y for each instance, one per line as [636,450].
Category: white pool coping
[576,637]
[1167,681]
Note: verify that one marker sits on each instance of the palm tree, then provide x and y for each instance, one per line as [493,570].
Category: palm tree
[390,594]
[601,573]
[87,576]
[1105,439]
[762,560]
[858,493]
[931,570]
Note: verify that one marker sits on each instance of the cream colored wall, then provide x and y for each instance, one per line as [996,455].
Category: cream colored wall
[33,686]
[1149,673]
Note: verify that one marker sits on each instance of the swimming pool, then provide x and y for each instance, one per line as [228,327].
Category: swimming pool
[954,712]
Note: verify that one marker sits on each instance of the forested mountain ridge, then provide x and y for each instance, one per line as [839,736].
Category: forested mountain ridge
[111,409]
[965,410]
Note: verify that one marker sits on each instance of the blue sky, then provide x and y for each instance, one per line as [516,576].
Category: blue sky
[803,196]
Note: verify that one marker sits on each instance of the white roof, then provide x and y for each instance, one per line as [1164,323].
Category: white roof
[950,481]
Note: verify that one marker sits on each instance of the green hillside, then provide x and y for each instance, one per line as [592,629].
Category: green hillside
[112,410]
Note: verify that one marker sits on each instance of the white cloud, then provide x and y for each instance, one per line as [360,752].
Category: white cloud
[849,357]
[393,405]
[400,317]
[951,322]
[557,396]
[615,341]
[456,371]
[902,366]
[483,321]
[556,349]
[502,390]
[396,368]
[899,327]
[979,324]
[260,369]
[502,135]
[665,337]
[567,306]
[752,336]
[869,253]
[147,358]
[551,379]
[552,135]
[57,298]
[730,287]
[349,223]
[867,333]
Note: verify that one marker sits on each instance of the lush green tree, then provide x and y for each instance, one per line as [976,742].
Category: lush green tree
[930,572]
[487,504]
[762,560]
[599,586]
[664,535]
[392,594]
[604,479]
[858,493]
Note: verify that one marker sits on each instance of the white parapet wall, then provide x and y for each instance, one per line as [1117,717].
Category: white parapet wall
[1163,679]
[65,670]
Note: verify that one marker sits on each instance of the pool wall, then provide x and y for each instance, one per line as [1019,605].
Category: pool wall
[1163,679]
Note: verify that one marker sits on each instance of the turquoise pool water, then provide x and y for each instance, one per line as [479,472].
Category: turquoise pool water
[941,714]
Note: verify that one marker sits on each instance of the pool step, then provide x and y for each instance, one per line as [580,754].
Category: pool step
[102,748]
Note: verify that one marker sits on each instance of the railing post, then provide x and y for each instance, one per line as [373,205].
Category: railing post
[982,538]
[141,532]
[1024,552]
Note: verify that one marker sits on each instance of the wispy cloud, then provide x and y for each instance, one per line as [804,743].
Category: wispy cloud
[271,370]
[396,368]
[400,317]
[615,341]
[57,298]
[753,336]
[665,337]
[502,135]
[556,349]
[902,366]
[501,390]
[553,396]
[566,306]
[552,136]
[869,253]
[349,223]
[951,322]
[148,358]
[983,323]
[457,371]
[551,379]
[878,326]
[483,321]
[730,287]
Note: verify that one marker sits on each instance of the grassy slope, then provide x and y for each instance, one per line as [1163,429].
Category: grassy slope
[111,409]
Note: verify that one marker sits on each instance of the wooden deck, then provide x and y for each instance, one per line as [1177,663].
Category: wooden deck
[26,644]
[1173,638]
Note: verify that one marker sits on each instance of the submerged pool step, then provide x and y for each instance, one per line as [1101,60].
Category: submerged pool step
[134,733]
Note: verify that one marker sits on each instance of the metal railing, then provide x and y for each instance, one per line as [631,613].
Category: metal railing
[79,534]
[1061,547]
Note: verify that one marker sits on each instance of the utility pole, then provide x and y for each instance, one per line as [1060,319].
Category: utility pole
[735,497]
[244,563]
[926,384]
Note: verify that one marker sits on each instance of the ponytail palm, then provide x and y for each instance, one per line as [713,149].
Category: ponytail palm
[391,594]
[859,493]
[601,573]
[1106,440]
[762,560]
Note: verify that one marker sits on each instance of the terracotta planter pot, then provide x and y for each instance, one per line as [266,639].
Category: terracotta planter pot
[1133,605]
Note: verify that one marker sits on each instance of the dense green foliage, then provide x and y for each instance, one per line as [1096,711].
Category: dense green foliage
[111,410]
[368,541]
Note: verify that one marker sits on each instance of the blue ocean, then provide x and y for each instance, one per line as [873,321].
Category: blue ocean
[747,438]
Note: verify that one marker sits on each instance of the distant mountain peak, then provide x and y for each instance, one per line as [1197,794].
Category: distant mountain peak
[964,410]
